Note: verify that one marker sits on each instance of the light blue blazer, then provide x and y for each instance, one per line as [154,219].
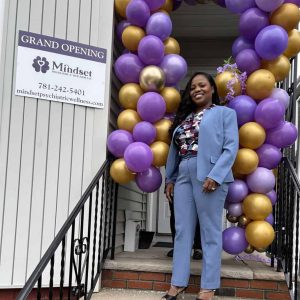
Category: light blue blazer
[217,147]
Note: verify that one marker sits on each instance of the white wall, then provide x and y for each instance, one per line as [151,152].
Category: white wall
[49,151]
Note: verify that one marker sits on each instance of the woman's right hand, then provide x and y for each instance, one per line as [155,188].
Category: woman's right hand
[170,191]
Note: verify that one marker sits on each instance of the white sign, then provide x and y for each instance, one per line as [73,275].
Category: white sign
[60,70]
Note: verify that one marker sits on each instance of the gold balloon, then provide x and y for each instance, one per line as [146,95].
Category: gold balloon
[172,98]
[293,44]
[231,218]
[237,175]
[246,161]
[260,84]
[171,46]
[260,234]
[168,6]
[251,135]
[221,81]
[129,95]
[286,16]
[275,172]
[132,36]
[261,250]
[249,249]
[243,221]
[163,11]
[280,67]
[257,206]
[120,6]
[160,153]
[120,173]
[162,130]
[127,119]
[152,79]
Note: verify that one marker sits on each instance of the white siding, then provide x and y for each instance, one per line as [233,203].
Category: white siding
[49,151]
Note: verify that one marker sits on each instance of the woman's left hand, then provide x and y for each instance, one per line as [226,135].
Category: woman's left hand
[209,185]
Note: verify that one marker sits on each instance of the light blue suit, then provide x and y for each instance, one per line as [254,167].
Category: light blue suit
[217,149]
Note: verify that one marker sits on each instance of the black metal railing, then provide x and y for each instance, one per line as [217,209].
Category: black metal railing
[71,266]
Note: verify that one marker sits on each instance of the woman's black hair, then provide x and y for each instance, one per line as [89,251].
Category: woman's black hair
[187,105]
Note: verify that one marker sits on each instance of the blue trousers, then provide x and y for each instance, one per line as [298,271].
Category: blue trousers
[190,203]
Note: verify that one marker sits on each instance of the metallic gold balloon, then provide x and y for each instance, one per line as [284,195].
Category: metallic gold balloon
[246,161]
[260,234]
[294,43]
[172,98]
[286,16]
[129,95]
[152,78]
[280,67]
[243,221]
[163,11]
[251,135]
[275,172]
[261,250]
[132,36]
[120,173]
[260,84]
[231,218]
[237,175]
[249,249]
[168,6]
[160,153]
[222,80]
[127,119]
[171,46]
[162,130]
[257,206]
[120,7]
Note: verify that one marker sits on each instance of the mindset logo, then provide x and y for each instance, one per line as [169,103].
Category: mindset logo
[41,64]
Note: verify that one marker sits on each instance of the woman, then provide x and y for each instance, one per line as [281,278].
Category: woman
[203,148]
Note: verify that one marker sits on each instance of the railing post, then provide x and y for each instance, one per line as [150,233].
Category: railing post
[112,254]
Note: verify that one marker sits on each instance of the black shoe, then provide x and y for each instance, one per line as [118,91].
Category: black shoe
[197,255]
[170,253]
[180,291]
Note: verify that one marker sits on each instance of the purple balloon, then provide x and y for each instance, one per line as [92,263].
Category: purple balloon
[245,108]
[271,42]
[191,2]
[269,113]
[296,2]
[234,240]
[252,21]
[235,209]
[175,68]
[239,44]
[268,5]
[155,4]
[261,181]
[272,196]
[151,107]
[248,61]
[270,219]
[138,157]
[160,25]
[239,6]
[282,96]
[269,156]
[284,135]
[137,12]
[120,28]
[220,2]
[118,141]
[144,132]
[151,50]
[176,4]
[237,191]
[150,180]
[128,67]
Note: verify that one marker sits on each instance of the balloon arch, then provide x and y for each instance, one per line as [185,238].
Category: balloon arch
[151,67]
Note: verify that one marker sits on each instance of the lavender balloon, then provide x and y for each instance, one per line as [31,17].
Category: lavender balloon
[284,135]
[151,50]
[220,2]
[128,67]
[272,196]
[271,42]
[175,68]
[237,191]
[120,28]
[144,132]
[239,44]
[160,25]
[138,157]
[248,61]
[282,96]
[268,5]
[137,12]
[269,113]
[297,2]
[155,4]
[234,240]
[252,21]
[151,107]
[118,141]
[261,181]
[270,219]
[150,180]
[238,6]
[235,209]
[269,156]
[245,108]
